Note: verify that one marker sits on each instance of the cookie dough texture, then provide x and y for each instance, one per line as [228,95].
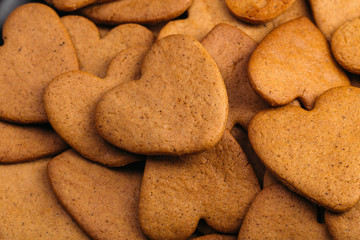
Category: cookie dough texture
[28,207]
[37,48]
[70,102]
[71,5]
[178,106]
[95,52]
[315,153]
[24,143]
[329,15]
[294,61]
[231,49]
[204,15]
[217,185]
[103,201]
[345,45]
[136,11]
[258,11]
[277,213]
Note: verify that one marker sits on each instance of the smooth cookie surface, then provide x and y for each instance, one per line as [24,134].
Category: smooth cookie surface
[315,152]
[178,106]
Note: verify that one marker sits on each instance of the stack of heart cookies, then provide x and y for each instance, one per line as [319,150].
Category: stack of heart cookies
[194,119]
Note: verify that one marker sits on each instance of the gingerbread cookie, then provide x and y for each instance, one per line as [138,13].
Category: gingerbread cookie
[345,44]
[95,53]
[28,207]
[104,202]
[71,5]
[25,143]
[37,48]
[231,50]
[345,225]
[216,185]
[254,11]
[70,102]
[294,61]
[136,11]
[315,152]
[204,15]
[178,106]
[329,15]
[277,213]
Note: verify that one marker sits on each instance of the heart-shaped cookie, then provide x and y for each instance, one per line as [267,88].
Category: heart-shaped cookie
[206,14]
[315,153]
[255,11]
[29,208]
[71,5]
[178,106]
[217,185]
[95,53]
[231,49]
[103,201]
[329,15]
[37,48]
[345,45]
[136,11]
[277,213]
[294,61]
[25,143]
[70,102]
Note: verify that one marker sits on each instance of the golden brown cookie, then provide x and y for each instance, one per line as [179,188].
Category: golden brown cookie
[37,48]
[178,106]
[329,15]
[231,49]
[315,152]
[95,53]
[345,44]
[204,15]
[25,143]
[103,201]
[216,237]
[217,185]
[344,226]
[71,5]
[70,102]
[277,213]
[294,61]
[136,11]
[258,11]
[28,207]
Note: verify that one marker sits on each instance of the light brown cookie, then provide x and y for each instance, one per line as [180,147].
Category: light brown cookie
[95,53]
[344,226]
[241,137]
[206,14]
[277,213]
[216,237]
[25,143]
[136,11]
[71,5]
[103,201]
[345,44]
[217,185]
[315,152]
[178,106]
[37,48]
[28,207]
[231,50]
[294,61]
[255,11]
[329,15]
[70,102]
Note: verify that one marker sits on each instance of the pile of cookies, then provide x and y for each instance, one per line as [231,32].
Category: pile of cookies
[193,119]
